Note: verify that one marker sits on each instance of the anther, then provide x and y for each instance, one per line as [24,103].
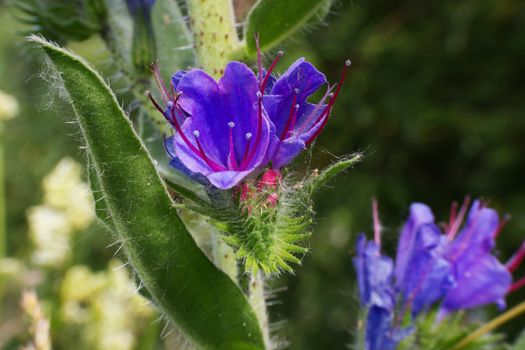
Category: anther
[296,90]
[231,125]
[259,94]
[348,63]
[196,133]
[169,104]
[248,135]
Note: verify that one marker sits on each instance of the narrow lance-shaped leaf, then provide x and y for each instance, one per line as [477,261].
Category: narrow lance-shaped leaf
[190,290]
[275,20]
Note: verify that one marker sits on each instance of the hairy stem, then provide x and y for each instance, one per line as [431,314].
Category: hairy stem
[258,302]
[213,25]
[3,238]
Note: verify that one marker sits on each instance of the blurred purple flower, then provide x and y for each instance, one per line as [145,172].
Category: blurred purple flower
[433,267]
[480,277]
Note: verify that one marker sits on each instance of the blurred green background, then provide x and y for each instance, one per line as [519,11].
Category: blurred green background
[435,100]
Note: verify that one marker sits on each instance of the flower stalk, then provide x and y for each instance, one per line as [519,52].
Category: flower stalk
[490,326]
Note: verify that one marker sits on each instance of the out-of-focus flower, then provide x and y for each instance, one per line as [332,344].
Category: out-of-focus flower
[39,324]
[68,207]
[222,128]
[65,190]
[8,106]
[432,268]
[50,231]
[106,305]
[480,277]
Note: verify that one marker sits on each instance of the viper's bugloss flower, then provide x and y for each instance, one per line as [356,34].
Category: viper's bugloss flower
[480,277]
[296,123]
[222,130]
[454,269]
[226,130]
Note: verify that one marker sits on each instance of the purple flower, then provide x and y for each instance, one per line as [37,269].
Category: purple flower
[480,277]
[423,275]
[380,332]
[374,274]
[432,268]
[295,122]
[222,128]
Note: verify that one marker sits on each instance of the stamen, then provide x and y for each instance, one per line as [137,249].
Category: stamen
[501,226]
[377,224]
[327,109]
[259,59]
[453,214]
[211,163]
[517,285]
[516,259]
[290,123]
[258,135]
[457,222]
[268,73]
[248,138]
[232,162]
[160,82]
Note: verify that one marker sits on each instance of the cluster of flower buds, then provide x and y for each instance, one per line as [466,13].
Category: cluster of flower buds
[453,269]
[229,129]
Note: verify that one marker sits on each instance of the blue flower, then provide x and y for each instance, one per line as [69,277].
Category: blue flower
[374,274]
[222,129]
[423,274]
[295,121]
[433,267]
[480,277]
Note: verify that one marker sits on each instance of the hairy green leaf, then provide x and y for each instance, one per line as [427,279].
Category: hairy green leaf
[189,289]
[275,20]
[333,170]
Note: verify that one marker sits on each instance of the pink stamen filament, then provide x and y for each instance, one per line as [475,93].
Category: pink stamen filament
[175,123]
[258,136]
[453,214]
[259,59]
[459,219]
[517,285]
[211,163]
[516,260]
[268,73]
[160,83]
[231,155]
[246,148]
[501,226]
[377,224]
[328,108]
[290,123]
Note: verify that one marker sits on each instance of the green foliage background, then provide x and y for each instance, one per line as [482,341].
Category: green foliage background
[435,99]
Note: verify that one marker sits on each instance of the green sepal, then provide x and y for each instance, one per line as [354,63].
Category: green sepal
[174,270]
[318,181]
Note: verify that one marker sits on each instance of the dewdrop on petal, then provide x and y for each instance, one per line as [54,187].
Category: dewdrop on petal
[65,190]
[8,106]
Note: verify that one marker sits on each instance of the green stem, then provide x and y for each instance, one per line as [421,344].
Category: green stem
[3,238]
[490,326]
[258,303]
[213,24]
